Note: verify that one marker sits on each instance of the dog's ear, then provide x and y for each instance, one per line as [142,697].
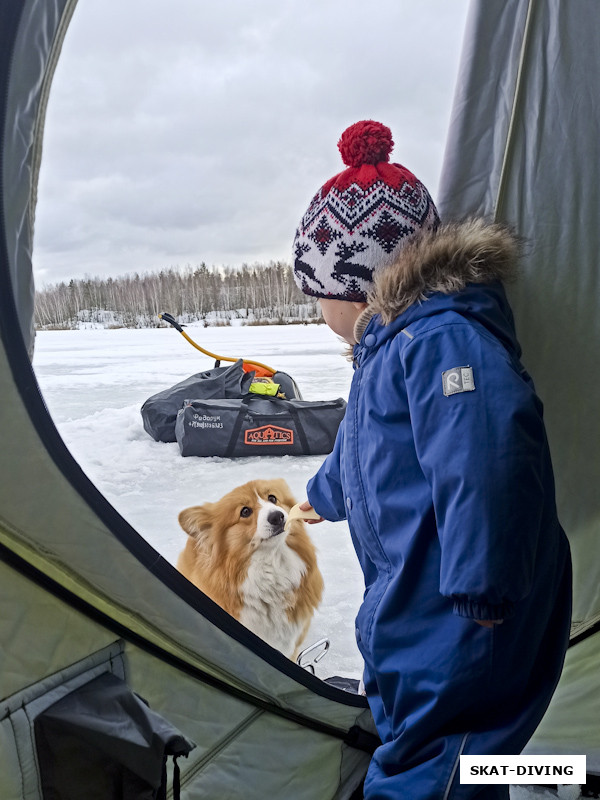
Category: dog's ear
[196,521]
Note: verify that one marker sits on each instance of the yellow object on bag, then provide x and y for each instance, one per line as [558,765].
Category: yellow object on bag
[262,386]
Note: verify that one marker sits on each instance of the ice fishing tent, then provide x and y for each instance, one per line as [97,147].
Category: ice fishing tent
[89,611]
[523,148]
[87,603]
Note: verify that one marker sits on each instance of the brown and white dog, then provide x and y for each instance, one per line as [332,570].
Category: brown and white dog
[240,554]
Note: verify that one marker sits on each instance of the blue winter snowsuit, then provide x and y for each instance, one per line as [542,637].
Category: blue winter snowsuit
[442,469]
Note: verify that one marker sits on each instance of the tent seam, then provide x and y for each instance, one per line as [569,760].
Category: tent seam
[12,726]
[34,750]
[197,767]
[516,102]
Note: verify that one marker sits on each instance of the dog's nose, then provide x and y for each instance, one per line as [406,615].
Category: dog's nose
[276,518]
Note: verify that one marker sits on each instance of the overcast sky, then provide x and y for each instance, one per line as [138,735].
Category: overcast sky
[188,131]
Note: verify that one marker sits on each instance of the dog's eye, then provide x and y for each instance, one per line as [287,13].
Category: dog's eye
[245,512]
[272,499]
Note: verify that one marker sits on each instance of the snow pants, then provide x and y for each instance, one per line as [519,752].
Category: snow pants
[482,694]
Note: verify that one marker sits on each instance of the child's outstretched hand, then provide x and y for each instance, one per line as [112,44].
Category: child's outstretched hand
[302,511]
[313,517]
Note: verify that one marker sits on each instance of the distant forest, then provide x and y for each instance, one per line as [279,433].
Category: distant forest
[260,293]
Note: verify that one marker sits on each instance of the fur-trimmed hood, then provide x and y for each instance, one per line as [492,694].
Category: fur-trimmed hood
[444,262]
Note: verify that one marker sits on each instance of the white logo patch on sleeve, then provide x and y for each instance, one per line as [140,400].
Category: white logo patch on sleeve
[459,379]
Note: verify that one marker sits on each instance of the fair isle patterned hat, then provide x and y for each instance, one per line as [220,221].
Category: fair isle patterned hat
[360,219]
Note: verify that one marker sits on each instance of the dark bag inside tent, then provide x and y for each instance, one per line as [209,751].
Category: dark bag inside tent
[102,742]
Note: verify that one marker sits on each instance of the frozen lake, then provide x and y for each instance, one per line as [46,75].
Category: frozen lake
[94,383]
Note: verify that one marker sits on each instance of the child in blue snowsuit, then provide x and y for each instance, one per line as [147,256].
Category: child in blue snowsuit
[441,468]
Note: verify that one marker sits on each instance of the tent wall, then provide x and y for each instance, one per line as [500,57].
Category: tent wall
[523,149]
[236,742]
[28,28]
[82,592]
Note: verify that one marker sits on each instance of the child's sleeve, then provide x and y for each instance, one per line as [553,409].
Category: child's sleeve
[480,441]
[324,490]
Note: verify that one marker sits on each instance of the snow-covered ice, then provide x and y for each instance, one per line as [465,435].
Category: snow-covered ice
[94,383]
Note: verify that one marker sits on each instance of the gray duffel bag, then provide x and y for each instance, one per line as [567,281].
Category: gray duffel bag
[159,412]
[256,425]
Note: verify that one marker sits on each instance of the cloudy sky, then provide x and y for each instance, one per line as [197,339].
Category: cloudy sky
[188,131]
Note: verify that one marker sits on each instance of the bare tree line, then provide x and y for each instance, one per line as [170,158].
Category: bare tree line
[264,292]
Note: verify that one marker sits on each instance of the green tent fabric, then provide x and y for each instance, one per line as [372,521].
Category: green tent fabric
[522,149]
[82,594]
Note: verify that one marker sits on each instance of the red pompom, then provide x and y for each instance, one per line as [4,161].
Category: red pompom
[365,142]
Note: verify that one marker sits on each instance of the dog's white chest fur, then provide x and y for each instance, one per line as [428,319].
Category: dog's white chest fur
[274,573]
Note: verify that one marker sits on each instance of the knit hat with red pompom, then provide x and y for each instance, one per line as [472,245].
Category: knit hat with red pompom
[359,220]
